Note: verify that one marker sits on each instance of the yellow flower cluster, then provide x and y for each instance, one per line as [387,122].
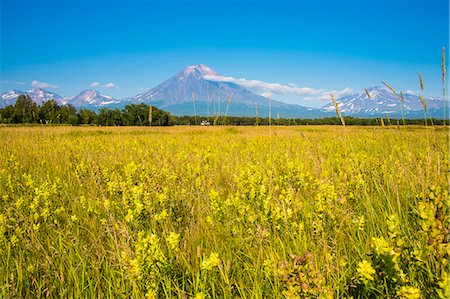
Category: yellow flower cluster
[365,270]
[211,262]
[408,292]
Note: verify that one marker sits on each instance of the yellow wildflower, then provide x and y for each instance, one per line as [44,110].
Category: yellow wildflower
[366,270]
[199,296]
[408,292]
[173,239]
[211,262]
[381,246]
[129,217]
[161,216]
[360,222]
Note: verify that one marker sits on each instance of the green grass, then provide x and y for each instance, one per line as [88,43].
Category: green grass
[129,212]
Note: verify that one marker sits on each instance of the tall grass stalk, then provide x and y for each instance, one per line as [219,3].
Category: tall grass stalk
[256,111]
[400,97]
[195,110]
[216,119]
[207,92]
[214,105]
[444,99]
[338,112]
[150,115]
[270,111]
[388,119]
[228,102]
[402,101]
[424,104]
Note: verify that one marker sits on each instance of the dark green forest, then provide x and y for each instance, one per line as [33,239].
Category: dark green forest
[25,111]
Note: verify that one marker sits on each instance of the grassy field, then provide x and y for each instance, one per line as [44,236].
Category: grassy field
[230,212]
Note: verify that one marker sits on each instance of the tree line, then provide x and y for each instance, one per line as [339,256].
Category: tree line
[25,111]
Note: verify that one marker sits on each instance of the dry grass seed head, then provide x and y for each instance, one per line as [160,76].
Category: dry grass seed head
[388,86]
[443,65]
[423,102]
[421,82]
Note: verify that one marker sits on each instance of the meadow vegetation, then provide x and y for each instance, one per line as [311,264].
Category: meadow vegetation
[224,212]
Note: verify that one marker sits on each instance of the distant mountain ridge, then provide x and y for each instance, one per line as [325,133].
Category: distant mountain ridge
[38,95]
[89,98]
[382,101]
[92,99]
[189,91]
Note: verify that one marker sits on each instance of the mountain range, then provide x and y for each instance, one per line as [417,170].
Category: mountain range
[190,92]
[378,101]
[38,95]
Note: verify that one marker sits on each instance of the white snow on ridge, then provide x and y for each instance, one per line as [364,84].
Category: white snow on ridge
[107,102]
[10,95]
[199,68]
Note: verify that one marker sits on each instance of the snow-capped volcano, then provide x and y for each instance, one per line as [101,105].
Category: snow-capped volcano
[211,97]
[179,88]
[90,98]
[40,95]
[10,97]
[382,101]
[37,95]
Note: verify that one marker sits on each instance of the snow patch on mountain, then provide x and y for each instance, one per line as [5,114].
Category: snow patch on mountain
[90,98]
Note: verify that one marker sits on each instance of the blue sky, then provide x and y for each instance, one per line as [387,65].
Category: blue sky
[131,46]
